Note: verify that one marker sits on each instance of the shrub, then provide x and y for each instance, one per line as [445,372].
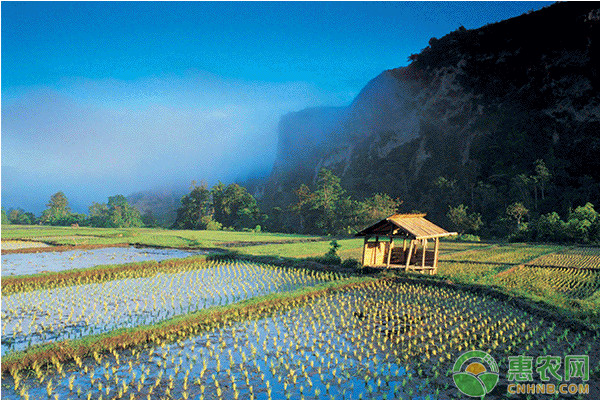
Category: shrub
[352,264]
[465,237]
[328,259]
[521,234]
[549,228]
[208,223]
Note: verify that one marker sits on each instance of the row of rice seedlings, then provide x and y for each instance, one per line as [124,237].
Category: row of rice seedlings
[503,254]
[100,273]
[457,246]
[469,272]
[75,311]
[381,340]
[577,257]
[542,281]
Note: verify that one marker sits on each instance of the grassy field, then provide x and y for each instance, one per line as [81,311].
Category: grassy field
[142,236]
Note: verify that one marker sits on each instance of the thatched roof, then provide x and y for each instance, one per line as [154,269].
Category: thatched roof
[413,226]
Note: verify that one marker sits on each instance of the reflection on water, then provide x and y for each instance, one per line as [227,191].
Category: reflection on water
[35,263]
[48,315]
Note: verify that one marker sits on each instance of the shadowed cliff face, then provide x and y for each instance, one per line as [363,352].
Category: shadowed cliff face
[476,106]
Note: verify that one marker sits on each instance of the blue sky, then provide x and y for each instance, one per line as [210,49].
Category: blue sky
[105,98]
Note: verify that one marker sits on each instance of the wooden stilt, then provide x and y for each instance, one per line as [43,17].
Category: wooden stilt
[410,250]
[436,251]
[390,247]
[364,250]
[424,242]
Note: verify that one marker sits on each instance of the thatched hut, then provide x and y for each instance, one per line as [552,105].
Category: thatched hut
[380,248]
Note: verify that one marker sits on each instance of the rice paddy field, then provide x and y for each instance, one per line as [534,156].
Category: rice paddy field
[234,327]
[27,263]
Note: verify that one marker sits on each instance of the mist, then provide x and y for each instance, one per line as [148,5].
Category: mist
[95,138]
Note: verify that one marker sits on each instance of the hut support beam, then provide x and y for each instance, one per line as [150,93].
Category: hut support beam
[436,251]
[424,252]
[389,254]
[364,250]
[409,255]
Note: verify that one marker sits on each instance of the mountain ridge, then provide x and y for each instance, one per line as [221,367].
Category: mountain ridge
[478,107]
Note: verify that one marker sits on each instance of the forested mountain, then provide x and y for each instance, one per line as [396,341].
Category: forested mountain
[487,117]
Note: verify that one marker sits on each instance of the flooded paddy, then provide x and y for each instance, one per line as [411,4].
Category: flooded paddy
[48,315]
[22,244]
[35,263]
[381,340]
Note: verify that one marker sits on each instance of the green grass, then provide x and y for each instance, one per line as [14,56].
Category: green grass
[300,250]
[142,236]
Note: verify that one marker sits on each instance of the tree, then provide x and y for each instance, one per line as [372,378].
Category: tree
[149,220]
[58,211]
[195,208]
[19,217]
[462,221]
[516,211]
[522,183]
[234,207]
[585,212]
[329,210]
[118,213]
[121,214]
[377,207]
[4,217]
[581,225]
[549,227]
[98,215]
[541,178]
[320,210]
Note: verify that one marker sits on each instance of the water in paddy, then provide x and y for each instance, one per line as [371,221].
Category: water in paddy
[313,351]
[47,315]
[35,263]
[378,341]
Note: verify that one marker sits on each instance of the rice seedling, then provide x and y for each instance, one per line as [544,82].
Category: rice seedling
[376,339]
[70,312]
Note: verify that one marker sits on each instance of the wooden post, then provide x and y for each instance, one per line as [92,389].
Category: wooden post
[436,250]
[364,250]
[376,250]
[424,241]
[389,255]
[410,250]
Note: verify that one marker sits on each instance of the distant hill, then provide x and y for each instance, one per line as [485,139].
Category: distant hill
[476,107]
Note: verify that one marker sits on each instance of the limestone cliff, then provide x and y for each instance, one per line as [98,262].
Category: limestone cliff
[476,106]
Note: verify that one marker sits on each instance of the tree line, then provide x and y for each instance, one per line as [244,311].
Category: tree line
[326,208]
[116,213]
